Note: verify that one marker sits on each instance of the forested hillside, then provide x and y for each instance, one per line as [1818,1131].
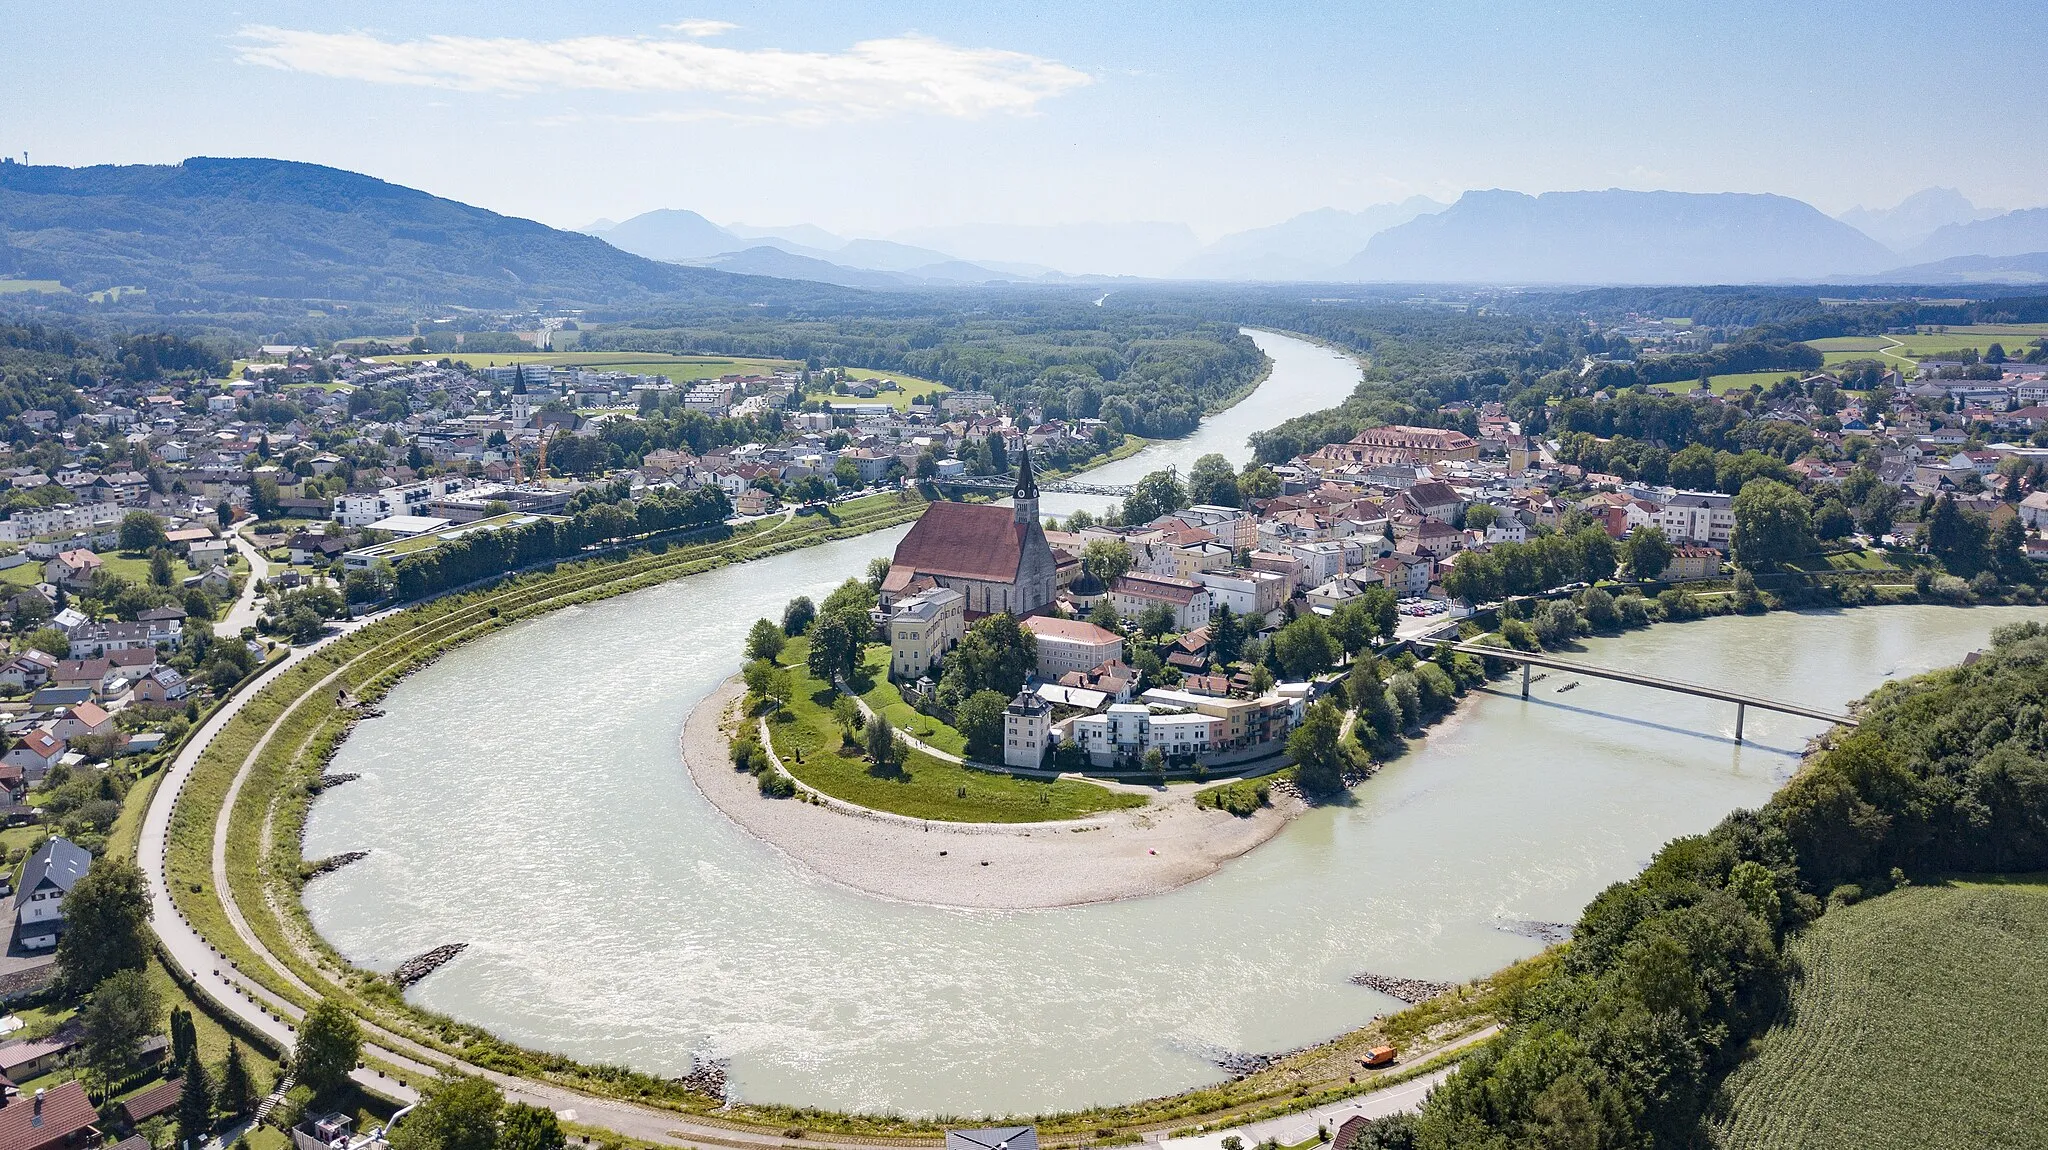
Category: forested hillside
[223,232]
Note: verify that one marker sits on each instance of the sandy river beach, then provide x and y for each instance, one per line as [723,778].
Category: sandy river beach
[1005,866]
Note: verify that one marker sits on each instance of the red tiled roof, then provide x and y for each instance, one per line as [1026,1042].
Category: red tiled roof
[1076,630]
[65,1111]
[964,541]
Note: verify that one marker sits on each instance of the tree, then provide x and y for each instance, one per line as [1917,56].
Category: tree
[1317,750]
[142,531]
[1304,647]
[1833,521]
[530,1128]
[1648,551]
[459,1112]
[1226,635]
[1212,481]
[836,642]
[1155,620]
[765,640]
[796,617]
[1773,525]
[1159,493]
[882,747]
[123,1012]
[237,1092]
[195,1105]
[51,641]
[160,573]
[996,654]
[766,680]
[1258,482]
[183,1035]
[878,570]
[1960,539]
[329,1045]
[980,721]
[106,916]
[1107,560]
[1480,516]
[2009,552]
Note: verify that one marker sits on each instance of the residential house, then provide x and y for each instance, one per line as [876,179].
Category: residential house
[96,639]
[1245,591]
[82,720]
[28,670]
[164,626]
[48,876]
[59,1117]
[34,754]
[73,570]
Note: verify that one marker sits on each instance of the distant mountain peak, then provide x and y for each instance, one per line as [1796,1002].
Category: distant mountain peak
[1496,235]
[1916,217]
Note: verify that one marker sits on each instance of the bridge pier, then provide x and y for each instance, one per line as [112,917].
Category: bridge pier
[1740,710]
[1525,680]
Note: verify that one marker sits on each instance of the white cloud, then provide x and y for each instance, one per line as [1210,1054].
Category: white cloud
[700,28]
[873,78]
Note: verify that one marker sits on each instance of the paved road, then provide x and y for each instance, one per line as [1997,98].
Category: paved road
[1294,1129]
[244,612]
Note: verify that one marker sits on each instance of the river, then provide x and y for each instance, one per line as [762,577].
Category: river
[1305,378]
[523,794]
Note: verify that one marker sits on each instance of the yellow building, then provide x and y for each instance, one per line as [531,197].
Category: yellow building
[922,629]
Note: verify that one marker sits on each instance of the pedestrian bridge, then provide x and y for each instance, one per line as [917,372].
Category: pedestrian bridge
[1743,702]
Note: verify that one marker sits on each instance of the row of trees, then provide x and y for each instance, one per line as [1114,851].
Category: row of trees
[482,554]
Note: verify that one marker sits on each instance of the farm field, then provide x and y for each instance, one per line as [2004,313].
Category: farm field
[8,286]
[2015,338]
[1916,1024]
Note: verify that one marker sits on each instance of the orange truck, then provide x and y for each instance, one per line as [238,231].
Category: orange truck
[1377,1057]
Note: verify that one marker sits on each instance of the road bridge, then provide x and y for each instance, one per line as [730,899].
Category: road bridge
[1743,702]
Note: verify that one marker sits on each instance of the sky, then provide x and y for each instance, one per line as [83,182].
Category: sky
[874,118]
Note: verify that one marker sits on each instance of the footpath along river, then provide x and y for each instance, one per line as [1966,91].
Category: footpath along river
[524,795]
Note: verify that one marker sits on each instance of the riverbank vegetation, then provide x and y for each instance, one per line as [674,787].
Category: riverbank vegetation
[1915,1022]
[1670,975]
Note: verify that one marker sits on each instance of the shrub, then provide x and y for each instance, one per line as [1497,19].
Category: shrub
[1242,798]
[776,785]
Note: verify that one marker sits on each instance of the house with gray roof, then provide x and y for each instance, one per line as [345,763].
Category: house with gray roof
[39,905]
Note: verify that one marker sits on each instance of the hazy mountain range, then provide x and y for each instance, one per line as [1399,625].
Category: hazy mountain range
[1494,236]
[223,230]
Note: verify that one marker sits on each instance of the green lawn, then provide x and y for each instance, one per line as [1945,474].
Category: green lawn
[1726,383]
[1917,1023]
[1860,343]
[887,700]
[808,742]
[900,400]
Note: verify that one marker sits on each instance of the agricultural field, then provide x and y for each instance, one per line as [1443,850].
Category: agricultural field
[2015,338]
[11,286]
[1916,1024]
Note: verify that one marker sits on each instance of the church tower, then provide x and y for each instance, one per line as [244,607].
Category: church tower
[1024,500]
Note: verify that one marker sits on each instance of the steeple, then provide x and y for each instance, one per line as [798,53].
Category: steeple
[1024,499]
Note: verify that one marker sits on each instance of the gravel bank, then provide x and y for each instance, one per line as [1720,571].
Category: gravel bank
[1122,854]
